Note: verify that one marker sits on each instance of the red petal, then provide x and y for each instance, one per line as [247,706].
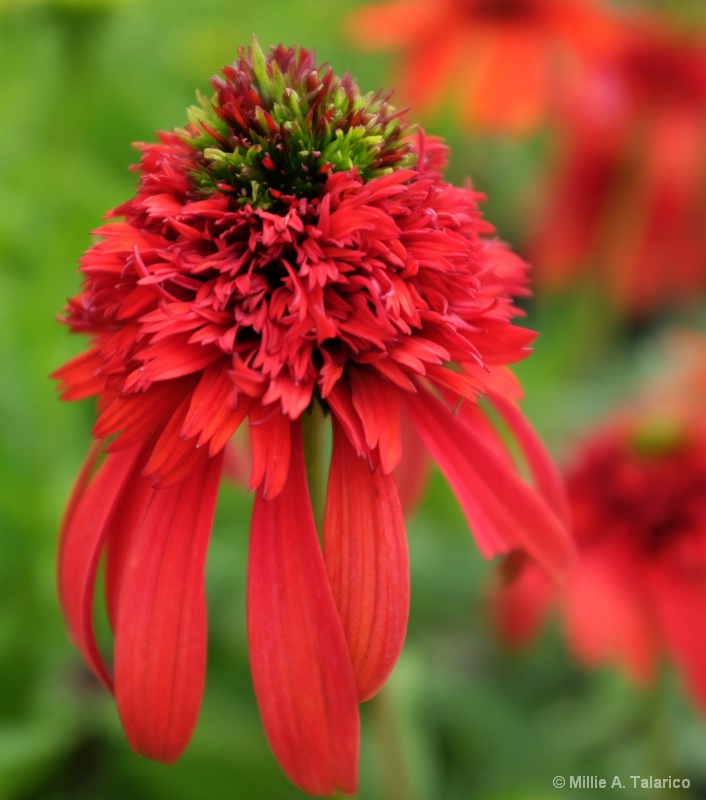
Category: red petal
[300,662]
[339,399]
[520,596]
[546,476]
[412,473]
[377,404]
[172,458]
[83,535]
[606,615]
[160,641]
[365,549]
[503,511]
[139,415]
[269,434]
[80,377]
[679,598]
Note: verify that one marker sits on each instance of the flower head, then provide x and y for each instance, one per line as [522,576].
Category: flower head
[637,495]
[626,197]
[494,61]
[294,248]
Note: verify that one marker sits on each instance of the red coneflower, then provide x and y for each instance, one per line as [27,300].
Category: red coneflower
[506,60]
[292,255]
[637,494]
[627,195]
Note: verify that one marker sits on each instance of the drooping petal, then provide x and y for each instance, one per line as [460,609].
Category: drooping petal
[82,541]
[81,483]
[173,458]
[546,476]
[342,406]
[503,511]
[377,403]
[412,473]
[160,636]
[300,662]
[136,416]
[365,549]
[269,434]
[121,532]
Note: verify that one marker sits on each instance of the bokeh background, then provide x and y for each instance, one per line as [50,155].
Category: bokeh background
[462,717]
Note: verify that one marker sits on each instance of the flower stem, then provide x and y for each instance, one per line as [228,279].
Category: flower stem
[660,742]
[394,781]
[313,432]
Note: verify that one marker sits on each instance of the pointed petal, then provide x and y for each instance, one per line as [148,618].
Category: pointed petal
[269,435]
[300,662]
[502,510]
[160,638]
[544,472]
[377,404]
[412,473]
[122,530]
[80,377]
[137,416]
[339,398]
[173,458]
[365,549]
[82,540]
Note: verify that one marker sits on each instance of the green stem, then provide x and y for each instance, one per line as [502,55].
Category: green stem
[313,432]
[661,750]
[394,781]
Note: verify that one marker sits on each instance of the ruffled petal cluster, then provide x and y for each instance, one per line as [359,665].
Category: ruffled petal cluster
[294,249]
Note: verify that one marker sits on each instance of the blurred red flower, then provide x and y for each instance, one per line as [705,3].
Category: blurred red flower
[295,246]
[501,64]
[626,197]
[637,495]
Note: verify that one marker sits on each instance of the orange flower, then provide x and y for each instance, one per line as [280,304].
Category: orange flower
[628,192]
[505,60]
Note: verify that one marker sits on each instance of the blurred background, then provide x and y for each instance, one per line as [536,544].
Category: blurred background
[462,716]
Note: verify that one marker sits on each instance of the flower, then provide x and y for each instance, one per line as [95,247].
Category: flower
[637,495]
[626,196]
[292,254]
[507,60]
